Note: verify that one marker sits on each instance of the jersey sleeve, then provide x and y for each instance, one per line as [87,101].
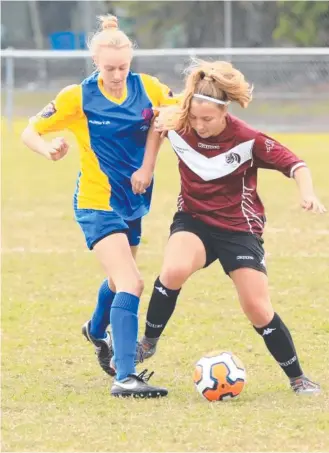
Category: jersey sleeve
[269,153]
[159,93]
[60,113]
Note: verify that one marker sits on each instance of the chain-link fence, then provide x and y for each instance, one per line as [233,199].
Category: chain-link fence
[291,91]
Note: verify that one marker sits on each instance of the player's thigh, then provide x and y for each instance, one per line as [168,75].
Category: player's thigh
[134,251]
[112,238]
[115,255]
[185,253]
[242,258]
[253,292]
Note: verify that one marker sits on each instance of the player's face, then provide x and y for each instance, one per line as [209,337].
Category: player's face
[114,65]
[207,118]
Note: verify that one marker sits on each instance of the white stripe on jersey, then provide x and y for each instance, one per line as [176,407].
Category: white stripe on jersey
[214,167]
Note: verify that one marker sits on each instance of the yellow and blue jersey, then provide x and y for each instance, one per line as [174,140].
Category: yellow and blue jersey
[111,135]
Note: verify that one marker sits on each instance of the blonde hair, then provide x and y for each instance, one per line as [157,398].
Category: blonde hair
[216,79]
[108,35]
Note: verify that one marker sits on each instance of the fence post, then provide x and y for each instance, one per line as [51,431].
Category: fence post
[10,81]
[228,26]
[87,22]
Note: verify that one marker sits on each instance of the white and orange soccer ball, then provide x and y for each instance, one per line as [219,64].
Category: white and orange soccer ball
[219,376]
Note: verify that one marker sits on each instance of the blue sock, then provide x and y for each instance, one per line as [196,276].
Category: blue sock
[124,324]
[101,316]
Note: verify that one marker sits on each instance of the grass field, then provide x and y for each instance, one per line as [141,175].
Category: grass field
[54,396]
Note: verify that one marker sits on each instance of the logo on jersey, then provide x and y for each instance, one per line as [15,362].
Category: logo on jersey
[100,123]
[232,158]
[269,144]
[147,114]
[181,150]
[208,146]
[48,111]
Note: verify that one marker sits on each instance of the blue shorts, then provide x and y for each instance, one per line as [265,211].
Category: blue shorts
[97,224]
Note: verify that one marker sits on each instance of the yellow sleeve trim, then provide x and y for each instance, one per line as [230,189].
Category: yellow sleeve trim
[155,90]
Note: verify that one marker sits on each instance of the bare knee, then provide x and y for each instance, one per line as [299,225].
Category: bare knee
[259,311]
[174,277]
[133,285]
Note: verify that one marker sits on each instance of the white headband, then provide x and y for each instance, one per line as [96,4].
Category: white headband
[208,98]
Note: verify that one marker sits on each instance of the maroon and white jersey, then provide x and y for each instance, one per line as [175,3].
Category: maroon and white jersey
[219,174]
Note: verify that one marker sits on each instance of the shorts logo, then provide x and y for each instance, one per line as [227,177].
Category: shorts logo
[233,158]
[48,111]
[244,257]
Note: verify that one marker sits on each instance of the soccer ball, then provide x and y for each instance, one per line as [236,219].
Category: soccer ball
[219,376]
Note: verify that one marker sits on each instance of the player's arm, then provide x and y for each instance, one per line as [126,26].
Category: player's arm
[56,116]
[309,200]
[142,178]
[268,153]
[159,94]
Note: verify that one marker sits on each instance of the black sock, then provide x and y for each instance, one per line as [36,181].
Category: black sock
[280,344]
[161,307]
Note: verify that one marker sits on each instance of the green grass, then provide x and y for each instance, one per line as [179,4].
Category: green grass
[54,396]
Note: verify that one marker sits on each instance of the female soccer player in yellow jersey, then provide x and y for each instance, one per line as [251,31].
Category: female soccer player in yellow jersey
[110,114]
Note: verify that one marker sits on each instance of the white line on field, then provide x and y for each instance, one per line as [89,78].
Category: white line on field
[42,251]
[58,251]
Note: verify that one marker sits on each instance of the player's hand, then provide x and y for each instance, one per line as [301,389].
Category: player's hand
[57,149]
[141,180]
[311,203]
[158,125]
[165,119]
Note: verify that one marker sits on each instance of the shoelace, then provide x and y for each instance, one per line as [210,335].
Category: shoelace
[303,384]
[143,377]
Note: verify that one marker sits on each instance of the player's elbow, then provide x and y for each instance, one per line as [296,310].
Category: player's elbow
[25,134]
[28,135]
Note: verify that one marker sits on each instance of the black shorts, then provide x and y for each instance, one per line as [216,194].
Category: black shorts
[233,249]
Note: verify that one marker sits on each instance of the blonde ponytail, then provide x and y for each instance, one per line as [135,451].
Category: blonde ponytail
[216,79]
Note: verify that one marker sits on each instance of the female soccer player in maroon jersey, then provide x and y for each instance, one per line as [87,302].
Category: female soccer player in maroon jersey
[220,215]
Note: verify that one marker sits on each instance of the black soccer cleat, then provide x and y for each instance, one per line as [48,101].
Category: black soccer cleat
[136,386]
[103,349]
